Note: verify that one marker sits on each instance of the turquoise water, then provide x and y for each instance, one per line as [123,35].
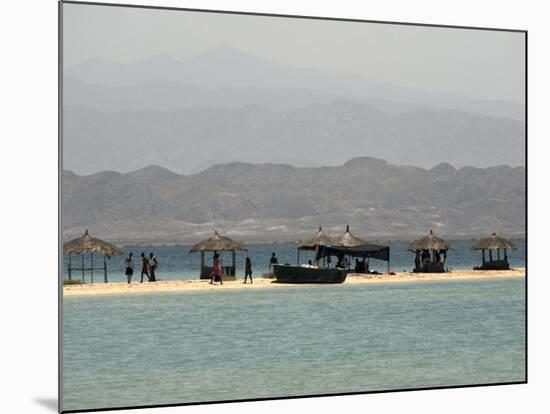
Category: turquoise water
[222,345]
[175,262]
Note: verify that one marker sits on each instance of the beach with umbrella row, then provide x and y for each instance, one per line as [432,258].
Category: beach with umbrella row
[430,254]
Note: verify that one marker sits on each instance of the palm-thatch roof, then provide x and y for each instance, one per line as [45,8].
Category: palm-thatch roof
[348,240]
[217,243]
[89,244]
[492,243]
[320,238]
[429,242]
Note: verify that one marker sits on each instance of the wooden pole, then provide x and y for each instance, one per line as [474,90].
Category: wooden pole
[490,256]
[498,254]
[105,268]
[70,254]
[483,256]
[202,262]
[298,257]
[234,263]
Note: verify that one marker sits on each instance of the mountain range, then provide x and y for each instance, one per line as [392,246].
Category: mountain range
[228,76]
[191,140]
[276,202]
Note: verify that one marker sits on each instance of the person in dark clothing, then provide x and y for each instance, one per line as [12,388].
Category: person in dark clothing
[425,257]
[217,270]
[365,265]
[247,269]
[129,264]
[273,260]
[152,267]
[144,267]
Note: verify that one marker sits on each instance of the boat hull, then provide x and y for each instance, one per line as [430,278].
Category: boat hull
[299,274]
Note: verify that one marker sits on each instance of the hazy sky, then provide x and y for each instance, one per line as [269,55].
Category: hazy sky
[476,63]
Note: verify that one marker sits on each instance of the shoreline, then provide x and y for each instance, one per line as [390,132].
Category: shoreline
[352,279]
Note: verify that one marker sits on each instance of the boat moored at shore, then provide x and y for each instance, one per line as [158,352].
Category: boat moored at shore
[301,274]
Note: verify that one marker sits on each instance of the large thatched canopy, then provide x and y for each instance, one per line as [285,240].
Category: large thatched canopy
[89,244]
[320,238]
[217,243]
[492,243]
[366,250]
[348,240]
[430,242]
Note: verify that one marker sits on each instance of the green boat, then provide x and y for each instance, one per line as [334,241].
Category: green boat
[299,274]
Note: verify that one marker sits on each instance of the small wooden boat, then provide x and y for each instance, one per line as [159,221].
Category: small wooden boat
[300,274]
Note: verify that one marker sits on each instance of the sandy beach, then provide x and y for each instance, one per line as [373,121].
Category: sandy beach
[259,283]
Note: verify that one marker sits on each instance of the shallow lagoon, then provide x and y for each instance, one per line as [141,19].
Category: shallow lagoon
[207,346]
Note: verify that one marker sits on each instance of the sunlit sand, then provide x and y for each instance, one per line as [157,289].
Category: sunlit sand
[262,283]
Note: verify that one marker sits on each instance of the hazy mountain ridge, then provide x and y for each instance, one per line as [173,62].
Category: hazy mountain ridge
[193,139]
[225,67]
[280,202]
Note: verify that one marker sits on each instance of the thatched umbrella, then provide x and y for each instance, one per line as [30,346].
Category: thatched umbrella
[493,243]
[433,243]
[89,244]
[320,238]
[217,243]
[348,240]
[429,242]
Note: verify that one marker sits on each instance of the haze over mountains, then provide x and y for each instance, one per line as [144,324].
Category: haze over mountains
[191,140]
[276,202]
[226,105]
[247,79]
[164,151]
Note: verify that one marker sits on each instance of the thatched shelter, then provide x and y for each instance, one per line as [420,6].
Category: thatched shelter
[426,262]
[217,243]
[318,239]
[348,240]
[88,244]
[494,243]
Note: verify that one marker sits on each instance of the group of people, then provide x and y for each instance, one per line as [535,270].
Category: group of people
[217,270]
[424,258]
[149,265]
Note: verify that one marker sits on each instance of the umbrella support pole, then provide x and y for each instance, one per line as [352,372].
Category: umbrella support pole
[70,254]
[105,268]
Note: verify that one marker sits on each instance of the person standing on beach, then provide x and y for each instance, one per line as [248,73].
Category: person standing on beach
[144,267]
[247,269]
[152,267]
[217,271]
[129,263]
[273,260]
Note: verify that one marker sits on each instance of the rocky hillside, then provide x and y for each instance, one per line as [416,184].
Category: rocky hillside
[271,202]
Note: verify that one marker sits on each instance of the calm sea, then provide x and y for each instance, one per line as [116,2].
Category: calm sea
[222,345]
[175,262]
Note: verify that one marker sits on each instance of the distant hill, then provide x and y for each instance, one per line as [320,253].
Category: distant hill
[193,139]
[249,79]
[270,202]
